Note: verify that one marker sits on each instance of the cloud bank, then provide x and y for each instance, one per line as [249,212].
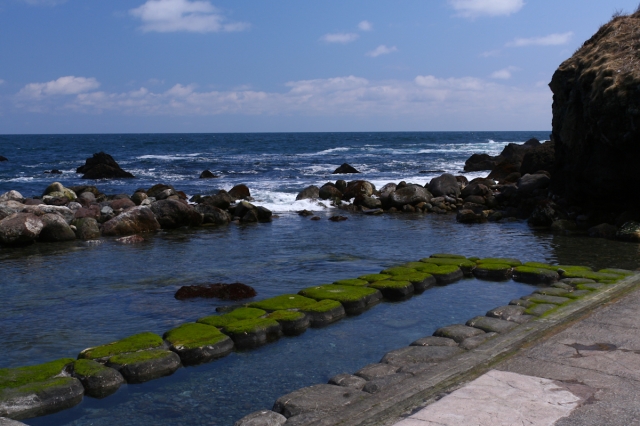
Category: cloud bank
[382,50]
[69,85]
[477,8]
[550,40]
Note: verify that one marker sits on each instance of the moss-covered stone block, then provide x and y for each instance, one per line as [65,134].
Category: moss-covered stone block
[553,291]
[596,276]
[137,342]
[324,312]
[465,265]
[540,309]
[238,314]
[98,381]
[398,270]
[446,274]
[533,275]
[420,281]
[20,376]
[196,343]
[473,259]
[251,333]
[354,299]
[374,277]
[394,290]
[522,302]
[293,323]
[557,267]
[578,294]
[353,282]
[623,272]
[541,298]
[502,260]
[40,398]
[143,366]
[590,286]
[493,271]
[447,256]
[283,302]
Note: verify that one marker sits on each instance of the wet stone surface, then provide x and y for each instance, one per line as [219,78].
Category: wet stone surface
[379,384]
[540,309]
[491,325]
[434,341]
[507,313]
[375,371]
[420,354]
[262,418]
[348,381]
[317,398]
[474,342]
[457,332]
[540,298]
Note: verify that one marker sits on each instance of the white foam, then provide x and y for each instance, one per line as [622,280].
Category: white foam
[171,157]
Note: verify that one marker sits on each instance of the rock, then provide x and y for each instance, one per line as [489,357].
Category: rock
[375,371]
[354,299]
[138,198]
[12,196]
[475,199]
[86,229]
[469,216]
[474,342]
[198,343]
[264,214]
[132,221]
[207,175]
[251,333]
[504,168]
[9,207]
[292,323]
[444,185]
[542,157]
[262,418]
[421,354]
[344,169]
[457,332]
[358,188]
[492,325]
[172,214]
[493,272]
[143,366]
[564,226]
[317,398]
[368,202]
[541,298]
[20,229]
[240,192]
[42,209]
[221,200]
[480,162]
[329,192]
[379,384]
[348,381]
[156,190]
[102,166]
[55,229]
[507,313]
[40,398]
[3,420]
[309,192]
[131,239]
[604,230]
[98,381]
[544,214]
[324,312]
[121,204]
[2,158]
[475,188]
[529,183]
[540,309]
[338,218]
[235,291]
[434,341]
[212,214]
[630,231]
[410,194]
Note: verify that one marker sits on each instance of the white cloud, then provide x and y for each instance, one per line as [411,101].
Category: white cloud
[365,26]
[490,53]
[505,73]
[550,40]
[184,15]
[1,81]
[69,85]
[476,8]
[44,2]
[339,37]
[382,50]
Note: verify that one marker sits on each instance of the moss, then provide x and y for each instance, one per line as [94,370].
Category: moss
[193,335]
[283,302]
[473,259]
[413,278]
[466,265]
[502,260]
[133,343]
[15,377]
[413,265]
[447,256]
[136,357]
[353,282]
[37,387]
[87,367]
[390,284]
[322,306]
[286,316]
[337,292]
[590,286]
[608,281]
[233,316]
[493,267]
[250,325]
[596,276]
[374,277]
[622,272]
[398,270]
[556,267]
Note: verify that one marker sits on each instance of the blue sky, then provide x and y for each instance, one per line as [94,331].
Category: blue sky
[88,66]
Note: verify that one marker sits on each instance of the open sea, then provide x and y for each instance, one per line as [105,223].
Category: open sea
[57,299]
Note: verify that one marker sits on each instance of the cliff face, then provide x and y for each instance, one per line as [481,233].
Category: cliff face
[596,117]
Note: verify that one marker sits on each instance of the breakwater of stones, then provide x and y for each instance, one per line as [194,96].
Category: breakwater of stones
[100,371]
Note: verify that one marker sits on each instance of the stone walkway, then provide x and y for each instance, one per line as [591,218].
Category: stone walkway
[586,374]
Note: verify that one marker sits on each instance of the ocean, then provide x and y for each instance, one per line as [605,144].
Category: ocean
[57,299]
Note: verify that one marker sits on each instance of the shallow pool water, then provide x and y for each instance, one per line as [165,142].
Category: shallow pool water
[59,299]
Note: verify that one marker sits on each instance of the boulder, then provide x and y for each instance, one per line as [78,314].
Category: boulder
[240,192]
[86,228]
[138,197]
[358,187]
[329,192]
[156,190]
[57,190]
[132,221]
[480,162]
[92,211]
[12,196]
[102,166]
[630,231]
[341,184]
[2,158]
[386,191]
[262,418]
[542,157]
[221,200]
[469,216]
[529,183]
[446,184]
[207,175]
[55,229]
[604,230]
[309,192]
[121,204]
[504,169]
[41,209]
[86,198]
[212,214]
[20,229]
[475,188]
[344,169]
[7,208]
[544,214]
[410,194]
[98,381]
[367,202]
[173,214]
[317,398]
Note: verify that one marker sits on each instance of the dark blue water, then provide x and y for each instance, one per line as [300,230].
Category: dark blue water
[57,299]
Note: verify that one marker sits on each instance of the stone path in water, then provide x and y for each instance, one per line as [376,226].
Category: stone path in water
[586,374]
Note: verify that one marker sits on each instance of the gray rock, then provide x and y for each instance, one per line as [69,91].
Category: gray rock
[222,200]
[507,313]
[309,192]
[329,192]
[434,341]
[410,194]
[417,368]
[540,309]
[212,214]
[539,298]
[133,221]
[457,332]
[41,398]
[368,202]
[386,191]
[202,354]
[8,422]
[576,281]
[545,277]
[447,184]
[264,214]
[173,214]
[158,363]
[520,302]
[98,381]
[375,371]
[12,196]
[474,342]
[9,207]
[305,419]
[420,354]
[262,418]
[322,319]
[379,384]
[317,398]
[529,183]
[553,291]
[348,381]
[475,188]
[20,228]
[491,325]
[55,229]
[41,209]
[86,228]
[139,197]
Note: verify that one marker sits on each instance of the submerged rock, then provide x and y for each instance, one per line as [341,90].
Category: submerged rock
[235,291]
[309,192]
[207,174]
[345,169]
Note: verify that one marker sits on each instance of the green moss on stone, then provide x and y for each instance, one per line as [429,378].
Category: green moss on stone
[413,278]
[596,276]
[322,306]
[286,316]
[473,258]
[341,293]
[398,270]
[88,367]
[233,316]
[413,265]
[447,256]
[390,284]
[590,286]
[194,335]
[353,282]
[283,302]
[501,260]
[250,325]
[141,356]
[133,343]
[556,267]
[374,277]
[622,272]
[494,267]
[38,387]
[20,376]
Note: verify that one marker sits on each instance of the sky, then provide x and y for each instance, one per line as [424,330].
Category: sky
[173,66]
